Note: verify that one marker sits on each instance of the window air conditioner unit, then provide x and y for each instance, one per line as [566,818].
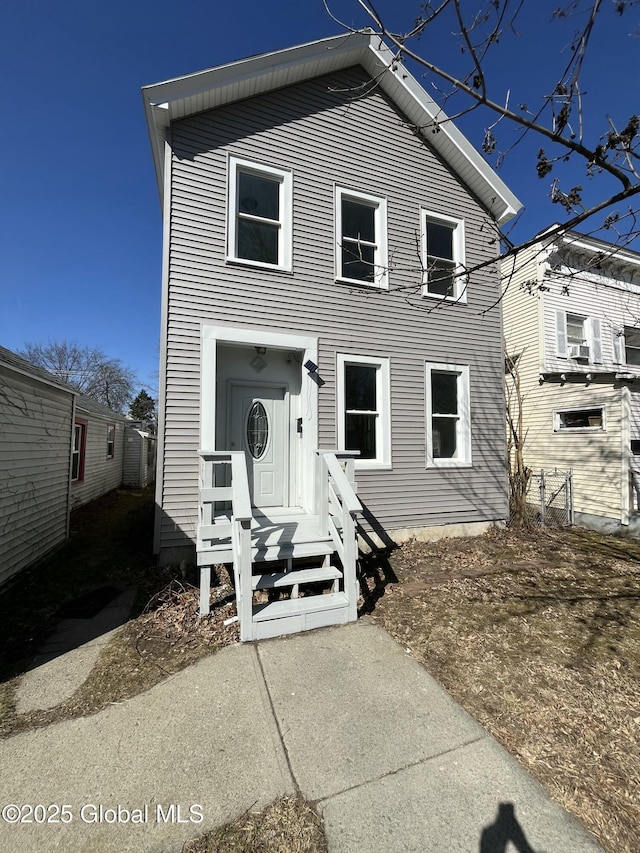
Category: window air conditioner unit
[578,351]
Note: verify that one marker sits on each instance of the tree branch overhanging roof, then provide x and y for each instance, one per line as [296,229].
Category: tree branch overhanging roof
[206,90]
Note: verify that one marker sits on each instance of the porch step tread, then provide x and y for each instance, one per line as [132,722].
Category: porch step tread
[277,580]
[297,606]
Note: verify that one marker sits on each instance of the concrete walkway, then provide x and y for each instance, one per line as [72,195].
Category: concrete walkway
[343,715]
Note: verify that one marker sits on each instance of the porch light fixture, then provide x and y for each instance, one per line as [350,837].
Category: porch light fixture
[311,366]
[261,350]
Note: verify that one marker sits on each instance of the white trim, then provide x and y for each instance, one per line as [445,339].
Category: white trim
[211,336]
[164,323]
[462,459]
[558,430]
[625,455]
[194,93]
[380,262]
[284,180]
[383,408]
[461,281]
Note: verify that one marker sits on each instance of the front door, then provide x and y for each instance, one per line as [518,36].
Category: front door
[259,425]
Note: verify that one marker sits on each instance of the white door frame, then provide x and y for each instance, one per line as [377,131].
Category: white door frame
[211,336]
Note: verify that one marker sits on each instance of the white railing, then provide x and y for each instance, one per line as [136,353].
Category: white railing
[338,506]
[229,520]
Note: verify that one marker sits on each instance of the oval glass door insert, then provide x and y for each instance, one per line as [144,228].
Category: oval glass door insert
[257,430]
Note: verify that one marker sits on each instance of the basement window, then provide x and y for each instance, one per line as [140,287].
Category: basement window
[579,419]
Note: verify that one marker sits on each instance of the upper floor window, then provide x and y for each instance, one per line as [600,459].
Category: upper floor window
[361,239]
[578,337]
[632,345]
[443,257]
[448,415]
[111,441]
[363,409]
[259,216]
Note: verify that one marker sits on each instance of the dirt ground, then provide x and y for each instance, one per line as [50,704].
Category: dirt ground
[537,635]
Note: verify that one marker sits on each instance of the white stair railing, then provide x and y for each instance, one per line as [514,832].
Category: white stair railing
[338,508]
[235,523]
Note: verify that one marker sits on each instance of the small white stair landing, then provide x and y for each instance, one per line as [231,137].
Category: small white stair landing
[292,570]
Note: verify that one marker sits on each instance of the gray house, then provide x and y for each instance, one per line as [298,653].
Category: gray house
[58,450]
[325,364]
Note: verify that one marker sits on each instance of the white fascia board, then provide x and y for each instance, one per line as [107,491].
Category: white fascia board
[455,148]
[246,78]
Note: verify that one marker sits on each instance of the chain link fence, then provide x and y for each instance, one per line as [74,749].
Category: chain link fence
[550,499]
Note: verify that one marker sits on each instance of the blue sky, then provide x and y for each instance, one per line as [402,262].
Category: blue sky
[80,225]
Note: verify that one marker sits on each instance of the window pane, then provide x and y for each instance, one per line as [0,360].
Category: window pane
[444,437]
[258,196]
[581,419]
[258,241]
[440,277]
[360,387]
[440,240]
[444,393]
[360,434]
[75,465]
[575,329]
[358,221]
[357,262]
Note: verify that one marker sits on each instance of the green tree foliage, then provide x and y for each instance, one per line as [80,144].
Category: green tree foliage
[143,408]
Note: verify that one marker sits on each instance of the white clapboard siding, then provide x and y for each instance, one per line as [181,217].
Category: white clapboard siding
[329,131]
[35,448]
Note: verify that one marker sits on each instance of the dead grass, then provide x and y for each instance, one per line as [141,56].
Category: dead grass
[111,542]
[290,825]
[537,635]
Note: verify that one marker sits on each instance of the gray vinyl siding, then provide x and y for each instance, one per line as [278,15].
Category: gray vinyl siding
[136,470]
[328,132]
[35,450]
[101,475]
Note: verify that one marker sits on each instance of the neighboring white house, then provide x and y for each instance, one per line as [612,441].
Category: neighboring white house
[314,223]
[58,450]
[572,318]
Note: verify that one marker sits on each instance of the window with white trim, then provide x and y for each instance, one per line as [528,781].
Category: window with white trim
[78,450]
[259,215]
[632,345]
[443,257]
[578,337]
[361,238]
[111,441]
[579,419]
[448,417]
[363,409]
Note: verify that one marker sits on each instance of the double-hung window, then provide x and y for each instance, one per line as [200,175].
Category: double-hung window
[78,450]
[443,257]
[259,215]
[448,415]
[363,409]
[361,238]
[111,441]
[578,337]
[632,345]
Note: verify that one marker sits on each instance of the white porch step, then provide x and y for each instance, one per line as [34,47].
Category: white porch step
[280,580]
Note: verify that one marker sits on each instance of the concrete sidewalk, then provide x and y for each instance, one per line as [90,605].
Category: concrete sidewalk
[343,715]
